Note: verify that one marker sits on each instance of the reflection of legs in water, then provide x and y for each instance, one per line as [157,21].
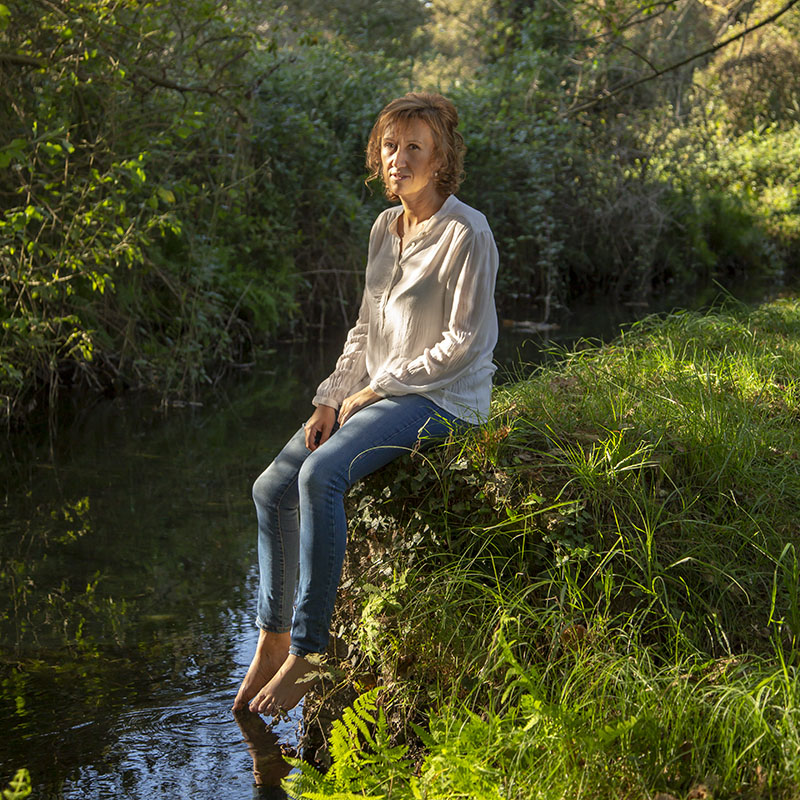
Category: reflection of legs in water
[271,652]
[302,535]
[269,767]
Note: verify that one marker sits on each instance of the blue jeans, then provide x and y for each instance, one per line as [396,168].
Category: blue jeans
[302,530]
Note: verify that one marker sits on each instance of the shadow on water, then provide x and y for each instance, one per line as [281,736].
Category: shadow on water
[127,565]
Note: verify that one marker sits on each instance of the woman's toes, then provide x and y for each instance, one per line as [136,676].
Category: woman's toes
[259,703]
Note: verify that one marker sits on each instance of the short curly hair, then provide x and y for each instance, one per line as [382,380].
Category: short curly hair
[442,118]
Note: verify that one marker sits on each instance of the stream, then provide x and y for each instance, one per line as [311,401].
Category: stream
[128,577]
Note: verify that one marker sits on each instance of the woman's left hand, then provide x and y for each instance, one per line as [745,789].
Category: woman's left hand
[357,401]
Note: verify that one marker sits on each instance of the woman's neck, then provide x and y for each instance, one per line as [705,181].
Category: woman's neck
[418,210]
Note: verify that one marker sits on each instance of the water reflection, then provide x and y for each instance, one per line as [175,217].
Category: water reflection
[127,555]
[267,752]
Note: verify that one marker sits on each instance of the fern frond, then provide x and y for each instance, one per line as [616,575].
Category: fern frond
[308,780]
[365,762]
[424,736]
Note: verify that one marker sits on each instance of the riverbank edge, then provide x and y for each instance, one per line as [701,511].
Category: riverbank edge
[595,595]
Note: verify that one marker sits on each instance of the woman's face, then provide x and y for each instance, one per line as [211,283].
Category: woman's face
[408,159]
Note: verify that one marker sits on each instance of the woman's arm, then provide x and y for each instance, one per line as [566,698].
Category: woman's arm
[351,366]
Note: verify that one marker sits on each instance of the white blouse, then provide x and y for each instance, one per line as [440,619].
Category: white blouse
[427,323]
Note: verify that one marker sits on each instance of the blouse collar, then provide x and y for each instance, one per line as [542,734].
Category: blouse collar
[445,209]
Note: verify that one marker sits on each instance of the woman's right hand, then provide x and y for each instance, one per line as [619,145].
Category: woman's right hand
[319,426]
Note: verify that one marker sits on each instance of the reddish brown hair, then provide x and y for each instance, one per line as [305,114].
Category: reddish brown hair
[442,118]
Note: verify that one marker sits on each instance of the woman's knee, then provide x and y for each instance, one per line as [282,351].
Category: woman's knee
[320,474]
[273,487]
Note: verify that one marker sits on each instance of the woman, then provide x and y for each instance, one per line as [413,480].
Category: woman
[417,363]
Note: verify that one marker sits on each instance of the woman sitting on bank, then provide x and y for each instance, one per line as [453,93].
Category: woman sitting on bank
[417,363]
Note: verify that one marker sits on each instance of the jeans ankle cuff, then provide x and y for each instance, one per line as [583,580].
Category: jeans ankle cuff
[303,652]
[271,628]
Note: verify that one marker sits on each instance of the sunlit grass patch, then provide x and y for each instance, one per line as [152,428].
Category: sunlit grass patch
[596,594]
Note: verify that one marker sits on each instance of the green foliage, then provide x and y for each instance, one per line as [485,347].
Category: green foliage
[311,126]
[633,196]
[743,188]
[20,786]
[527,148]
[365,763]
[81,207]
[593,723]
[596,593]
[397,29]
[174,183]
[755,85]
[182,180]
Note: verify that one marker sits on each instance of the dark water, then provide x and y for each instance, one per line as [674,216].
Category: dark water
[127,576]
[127,555]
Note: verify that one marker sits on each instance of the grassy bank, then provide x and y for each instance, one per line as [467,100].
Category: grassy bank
[597,595]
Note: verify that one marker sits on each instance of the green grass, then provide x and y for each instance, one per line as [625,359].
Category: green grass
[596,595]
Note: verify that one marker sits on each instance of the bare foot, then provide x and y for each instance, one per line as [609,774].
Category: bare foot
[287,688]
[271,652]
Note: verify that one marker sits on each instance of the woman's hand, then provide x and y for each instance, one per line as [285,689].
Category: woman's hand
[319,426]
[357,401]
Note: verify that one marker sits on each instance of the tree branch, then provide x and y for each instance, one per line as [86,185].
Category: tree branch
[211,91]
[638,55]
[641,16]
[657,73]
[19,60]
